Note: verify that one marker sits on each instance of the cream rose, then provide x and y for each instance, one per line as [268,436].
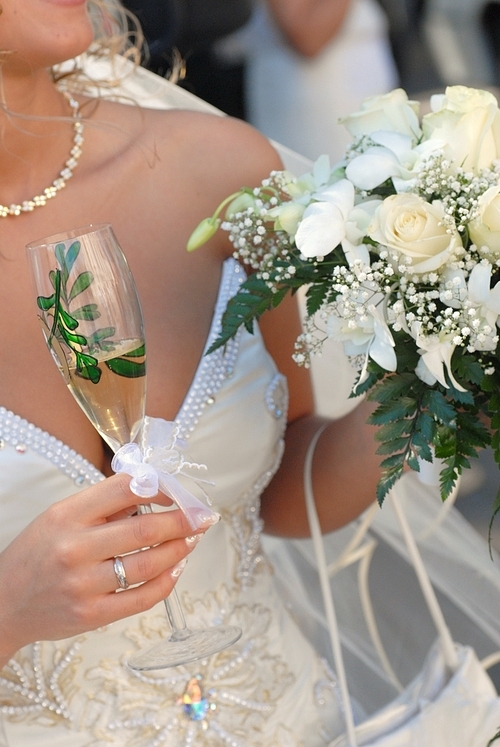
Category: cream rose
[485,229]
[467,122]
[391,112]
[414,228]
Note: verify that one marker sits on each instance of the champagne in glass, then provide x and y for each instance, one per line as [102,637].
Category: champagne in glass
[91,318]
[115,404]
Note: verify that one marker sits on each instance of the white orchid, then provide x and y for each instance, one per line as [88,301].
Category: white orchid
[392,156]
[323,226]
[483,307]
[313,181]
[367,335]
[288,215]
[481,295]
[335,218]
[436,352]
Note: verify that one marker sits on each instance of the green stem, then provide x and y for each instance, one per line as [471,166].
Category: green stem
[57,305]
[228,200]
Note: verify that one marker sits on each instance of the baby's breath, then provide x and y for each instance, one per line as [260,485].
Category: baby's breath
[458,190]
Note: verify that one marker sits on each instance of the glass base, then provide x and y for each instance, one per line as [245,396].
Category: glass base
[183,647]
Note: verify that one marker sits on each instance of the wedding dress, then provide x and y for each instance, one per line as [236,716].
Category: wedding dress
[270,688]
[276,687]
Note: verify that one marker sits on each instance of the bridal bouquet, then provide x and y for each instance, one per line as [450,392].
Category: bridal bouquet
[399,248]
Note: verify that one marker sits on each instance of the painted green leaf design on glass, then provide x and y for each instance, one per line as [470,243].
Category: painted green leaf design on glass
[69,321]
[88,313]
[77,339]
[87,368]
[46,302]
[100,340]
[137,353]
[65,323]
[83,281]
[124,367]
[67,259]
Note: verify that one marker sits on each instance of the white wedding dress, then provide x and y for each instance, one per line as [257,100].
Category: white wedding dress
[270,688]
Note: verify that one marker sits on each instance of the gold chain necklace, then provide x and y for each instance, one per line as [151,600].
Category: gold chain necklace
[66,173]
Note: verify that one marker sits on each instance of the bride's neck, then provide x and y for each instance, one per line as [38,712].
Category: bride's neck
[35,131]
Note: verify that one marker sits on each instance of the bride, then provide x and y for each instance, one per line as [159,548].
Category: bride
[246,412]
[153,175]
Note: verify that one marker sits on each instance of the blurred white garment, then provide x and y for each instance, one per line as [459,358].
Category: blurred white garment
[298,100]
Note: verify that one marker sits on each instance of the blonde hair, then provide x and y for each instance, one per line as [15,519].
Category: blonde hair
[117,32]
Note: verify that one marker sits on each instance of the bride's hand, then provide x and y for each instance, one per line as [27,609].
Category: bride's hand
[57,578]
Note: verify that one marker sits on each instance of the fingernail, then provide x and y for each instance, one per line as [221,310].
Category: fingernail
[210,519]
[176,571]
[203,518]
[193,540]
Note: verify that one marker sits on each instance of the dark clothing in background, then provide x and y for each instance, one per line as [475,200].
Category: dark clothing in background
[192,27]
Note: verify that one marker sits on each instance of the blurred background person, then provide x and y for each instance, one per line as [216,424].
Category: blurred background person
[309,62]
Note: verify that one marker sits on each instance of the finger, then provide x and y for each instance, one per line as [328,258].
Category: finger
[136,599]
[106,499]
[141,566]
[125,514]
[136,533]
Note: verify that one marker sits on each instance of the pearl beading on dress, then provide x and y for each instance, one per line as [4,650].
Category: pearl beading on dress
[246,522]
[23,435]
[277,396]
[37,693]
[215,368]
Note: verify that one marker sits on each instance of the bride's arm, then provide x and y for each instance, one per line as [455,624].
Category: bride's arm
[345,465]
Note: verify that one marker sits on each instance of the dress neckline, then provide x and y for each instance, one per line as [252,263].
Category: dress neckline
[213,369]
[209,376]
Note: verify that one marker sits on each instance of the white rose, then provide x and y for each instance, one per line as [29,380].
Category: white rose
[414,228]
[467,121]
[391,112]
[485,229]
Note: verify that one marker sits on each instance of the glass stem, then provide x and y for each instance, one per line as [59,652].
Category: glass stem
[176,616]
[173,608]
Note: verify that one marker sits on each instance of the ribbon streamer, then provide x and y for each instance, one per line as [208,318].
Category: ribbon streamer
[154,466]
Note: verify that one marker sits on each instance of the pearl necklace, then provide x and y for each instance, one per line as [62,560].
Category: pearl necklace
[67,172]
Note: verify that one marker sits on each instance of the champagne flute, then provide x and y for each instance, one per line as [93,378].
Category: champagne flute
[91,318]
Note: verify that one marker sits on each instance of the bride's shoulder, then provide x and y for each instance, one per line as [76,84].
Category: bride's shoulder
[214,144]
[207,140]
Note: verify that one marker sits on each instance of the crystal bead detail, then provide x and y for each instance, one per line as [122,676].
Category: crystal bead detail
[195,705]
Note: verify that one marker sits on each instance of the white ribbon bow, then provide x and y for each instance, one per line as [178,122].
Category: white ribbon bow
[154,468]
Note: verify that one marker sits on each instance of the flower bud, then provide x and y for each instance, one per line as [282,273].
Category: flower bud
[202,233]
[240,203]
